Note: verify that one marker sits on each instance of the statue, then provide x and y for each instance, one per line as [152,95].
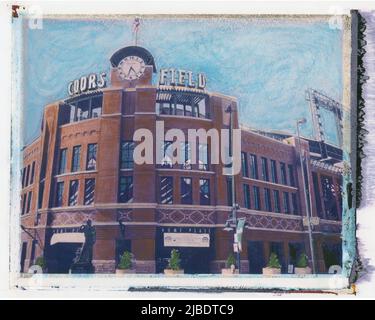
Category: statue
[82,263]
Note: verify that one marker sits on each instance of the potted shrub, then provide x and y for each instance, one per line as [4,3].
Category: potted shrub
[125,265]
[40,261]
[302,266]
[273,266]
[174,265]
[230,266]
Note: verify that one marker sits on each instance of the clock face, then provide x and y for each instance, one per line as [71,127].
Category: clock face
[131,68]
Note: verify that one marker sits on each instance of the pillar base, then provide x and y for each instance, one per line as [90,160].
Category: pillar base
[217,265]
[145,266]
[104,266]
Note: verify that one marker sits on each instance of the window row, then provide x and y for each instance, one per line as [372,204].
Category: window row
[27,176]
[186,191]
[125,193]
[185,160]
[76,159]
[26,202]
[188,109]
[89,192]
[285,174]
[169,156]
[273,200]
[82,109]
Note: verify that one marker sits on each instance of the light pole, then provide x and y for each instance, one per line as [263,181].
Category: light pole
[308,213]
[232,222]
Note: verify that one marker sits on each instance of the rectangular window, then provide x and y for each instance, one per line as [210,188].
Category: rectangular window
[253,166]
[256,195]
[167,161]
[73,111]
[125,189]
[202,108]
[185,153]
[291,175]
[164,107]
[283,173]
[83,109]
[32,173]
[188,110]
[59,194]
[73,193]
[318,200]
[246,196]
[40,195]
[166,190]
[89,191]
[276,200]
[179,108]
[23,206]
[62,161]
[286,202]
[273,171]
[23,177]
[27,176]
[127,150]
[76,158]
[203,157]
[29,202]
[32,255]
[91,156]
[265,169]
[244,167]
[295,203]
[186,191]
[204,191]
[267,199]
[96,106]
[229,192]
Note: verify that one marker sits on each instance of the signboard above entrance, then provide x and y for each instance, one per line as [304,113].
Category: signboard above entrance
[201,240]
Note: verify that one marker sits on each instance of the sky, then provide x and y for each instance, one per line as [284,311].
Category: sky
[266,63]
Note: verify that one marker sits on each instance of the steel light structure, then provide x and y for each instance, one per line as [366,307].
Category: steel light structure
[307,203]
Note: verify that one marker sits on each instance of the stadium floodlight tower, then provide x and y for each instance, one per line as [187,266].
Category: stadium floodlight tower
[318,101]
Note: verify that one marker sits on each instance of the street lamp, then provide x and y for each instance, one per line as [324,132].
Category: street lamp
[308,213]
[228,226]
[232,222]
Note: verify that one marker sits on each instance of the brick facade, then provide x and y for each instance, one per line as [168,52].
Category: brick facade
[126,107]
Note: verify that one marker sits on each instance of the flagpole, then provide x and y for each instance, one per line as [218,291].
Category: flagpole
[136,25]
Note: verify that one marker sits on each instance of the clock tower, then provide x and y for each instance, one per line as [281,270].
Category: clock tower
[132,66]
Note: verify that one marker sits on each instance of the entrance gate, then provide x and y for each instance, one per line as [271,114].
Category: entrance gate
[195,258]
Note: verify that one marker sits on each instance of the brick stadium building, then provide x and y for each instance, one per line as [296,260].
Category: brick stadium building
[81,167]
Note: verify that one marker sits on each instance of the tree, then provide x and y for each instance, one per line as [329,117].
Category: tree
[230,261]
[40,262]
[273,261]
[125,261]
[174,261]
[302,261]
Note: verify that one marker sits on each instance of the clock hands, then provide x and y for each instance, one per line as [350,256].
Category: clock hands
[131,69]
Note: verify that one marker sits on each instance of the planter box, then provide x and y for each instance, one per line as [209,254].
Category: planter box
[125,271]
[229,272]
[171,272]
[271,271]
[306,270]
